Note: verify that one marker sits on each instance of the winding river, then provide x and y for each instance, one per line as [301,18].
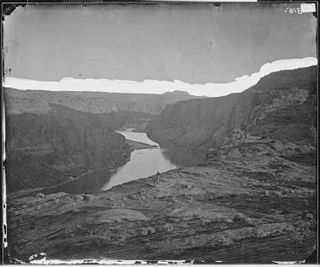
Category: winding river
[143,163]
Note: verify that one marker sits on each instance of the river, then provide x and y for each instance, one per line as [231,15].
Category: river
[142,163]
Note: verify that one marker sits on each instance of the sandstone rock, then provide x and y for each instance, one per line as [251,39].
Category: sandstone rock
[309,216]
[233,203]
[88,197]
[57,196]
[220,137]
[277,145]
[40,195]
[148,231]
[305,149]
[234,153]
[237,135]
[79,197]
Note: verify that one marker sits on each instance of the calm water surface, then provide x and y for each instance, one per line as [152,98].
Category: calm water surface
[142,163]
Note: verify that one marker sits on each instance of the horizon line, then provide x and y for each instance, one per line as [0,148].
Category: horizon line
[149,86]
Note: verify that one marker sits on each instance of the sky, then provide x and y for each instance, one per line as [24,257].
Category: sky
[149,47]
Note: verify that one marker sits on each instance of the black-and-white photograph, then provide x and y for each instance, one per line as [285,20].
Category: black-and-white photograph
[160,133]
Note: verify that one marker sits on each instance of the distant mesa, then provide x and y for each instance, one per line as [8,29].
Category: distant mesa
[38,101]
[176,92]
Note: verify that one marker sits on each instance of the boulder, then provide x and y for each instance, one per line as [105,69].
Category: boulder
[87,197]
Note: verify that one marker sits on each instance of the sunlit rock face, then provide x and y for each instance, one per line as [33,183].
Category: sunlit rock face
[282,105]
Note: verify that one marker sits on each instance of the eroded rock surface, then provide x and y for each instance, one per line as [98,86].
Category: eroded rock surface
[259,208]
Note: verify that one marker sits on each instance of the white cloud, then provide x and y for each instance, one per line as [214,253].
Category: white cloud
[158,87]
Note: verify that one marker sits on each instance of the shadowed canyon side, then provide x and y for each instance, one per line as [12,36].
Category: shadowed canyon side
[48,149]
[252,200]
[281,105]
[53,137]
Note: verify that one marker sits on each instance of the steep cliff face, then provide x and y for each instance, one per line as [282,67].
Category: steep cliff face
[46,149]
[190,123]
[39,101]
[53,136]
[281,105]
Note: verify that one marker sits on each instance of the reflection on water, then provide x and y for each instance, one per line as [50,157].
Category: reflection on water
[92,181]
[142,163]
[182,157]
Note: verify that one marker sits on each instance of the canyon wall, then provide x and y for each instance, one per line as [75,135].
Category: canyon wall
[281,105]
[53,137]
[47,149]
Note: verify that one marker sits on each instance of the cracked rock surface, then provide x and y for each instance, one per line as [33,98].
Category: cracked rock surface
[260,208]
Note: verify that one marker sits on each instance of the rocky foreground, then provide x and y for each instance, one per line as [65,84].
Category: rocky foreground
[253,201]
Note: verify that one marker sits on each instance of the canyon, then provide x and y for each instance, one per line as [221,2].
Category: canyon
[53,137]
[251,200]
